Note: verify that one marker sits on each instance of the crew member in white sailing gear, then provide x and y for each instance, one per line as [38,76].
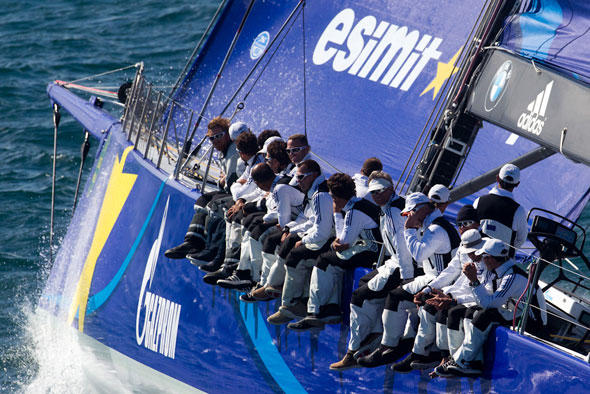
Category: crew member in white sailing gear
[298,150]
[368,299]
[241,190]
[505,283]
[303,242]
[244,191]
[237,219]
[432,241]
[439,195]
[356,222]
[437,291]
[361,180]
[283,205]
[265,135]
[194,240]
[501,217]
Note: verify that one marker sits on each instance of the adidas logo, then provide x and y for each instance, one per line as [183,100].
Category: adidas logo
[533,119]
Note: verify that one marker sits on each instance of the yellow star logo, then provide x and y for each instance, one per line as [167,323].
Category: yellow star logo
[118,189]
[443,72]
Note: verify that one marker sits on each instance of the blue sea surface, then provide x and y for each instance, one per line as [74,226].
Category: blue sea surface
[67,40]
[43,41]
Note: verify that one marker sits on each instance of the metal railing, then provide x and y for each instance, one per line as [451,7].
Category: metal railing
[159,128]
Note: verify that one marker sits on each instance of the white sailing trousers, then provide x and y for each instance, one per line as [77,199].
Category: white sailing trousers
[426,334]
[296,283]
[324,287]
[365,320]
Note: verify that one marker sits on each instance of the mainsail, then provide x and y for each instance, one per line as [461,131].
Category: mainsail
[365,85]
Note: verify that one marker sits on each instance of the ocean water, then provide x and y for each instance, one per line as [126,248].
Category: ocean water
[43,41]
[67,40]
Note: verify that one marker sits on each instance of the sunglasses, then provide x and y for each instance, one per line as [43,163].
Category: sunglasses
[465,223]
[377,192]
[216,136]
[300,177]
[295,150]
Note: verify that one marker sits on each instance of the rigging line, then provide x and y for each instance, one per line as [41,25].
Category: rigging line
[84,153]
[233,97]
[304,71]
[275,50]
[326,161]
[544,260]
[486,31]
[463,50]
[105,73]
[230,50]
[56,119]
[562,318]
[198,46]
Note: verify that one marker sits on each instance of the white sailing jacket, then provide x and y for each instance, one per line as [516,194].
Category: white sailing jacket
[247,191]
[315,225]
[428,243]
[283,203]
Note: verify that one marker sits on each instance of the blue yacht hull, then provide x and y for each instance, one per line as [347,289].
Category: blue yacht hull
[112,282]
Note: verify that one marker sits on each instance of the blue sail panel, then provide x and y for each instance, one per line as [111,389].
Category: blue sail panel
[553,31]
[373,72]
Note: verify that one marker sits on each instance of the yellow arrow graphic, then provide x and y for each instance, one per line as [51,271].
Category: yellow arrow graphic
[118,189]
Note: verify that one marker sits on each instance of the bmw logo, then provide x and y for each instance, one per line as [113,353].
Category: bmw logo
[498,85]
[259,45]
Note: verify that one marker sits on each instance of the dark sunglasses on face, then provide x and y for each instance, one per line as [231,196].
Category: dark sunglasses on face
[216,136]
[290,151]
[377,192]
[300,177]
[465,223]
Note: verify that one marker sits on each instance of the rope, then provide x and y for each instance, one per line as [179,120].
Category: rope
[255,66]
[575,323]
[326,161]
[438,112]
[104,73]
[83,153]
[263,68]
[198,46]
[56,119]
[230,50]
[304,70]
[546,261]
[526,289]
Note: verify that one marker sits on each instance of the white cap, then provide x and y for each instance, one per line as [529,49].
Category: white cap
[510,174]
[268,142]
[439,193]
[493,247]
[413,200]
[236,129]
[471,241]
[379,184]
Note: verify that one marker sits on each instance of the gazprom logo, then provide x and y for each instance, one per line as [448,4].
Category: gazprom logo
[498,85]
[259,45]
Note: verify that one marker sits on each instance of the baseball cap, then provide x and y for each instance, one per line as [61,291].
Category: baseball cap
[268,142]
[413,200]
[510,173]
[471,241]
[379,184]
[236,129]
[467,212]
[439,194]
[493,247]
